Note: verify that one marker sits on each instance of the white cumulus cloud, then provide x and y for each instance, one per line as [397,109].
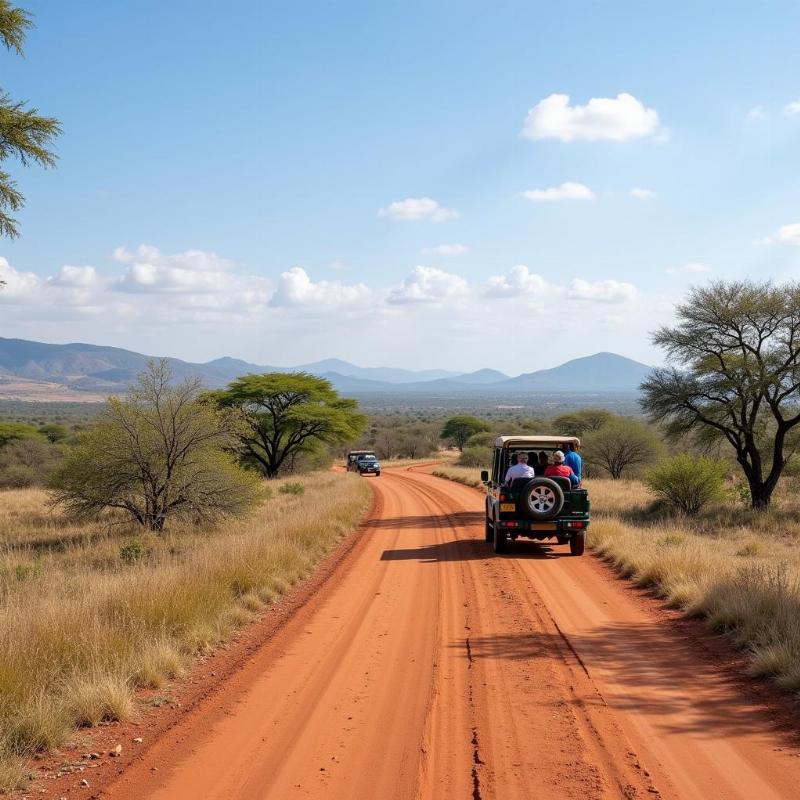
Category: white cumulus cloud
[445,250]
[417,208]
[75,277]
[428,285]
[788,234]
[756,113]
[615,119]
[295,288]
[564,191]
[790,109]
[642,194]
[190,272]
[17,284]
[608,291]
[519,281]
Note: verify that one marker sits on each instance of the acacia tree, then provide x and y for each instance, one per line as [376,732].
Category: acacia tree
[24,134]
[157,452]
[287,413]
[735,375]
[576,423]
[619,445]
[458,429]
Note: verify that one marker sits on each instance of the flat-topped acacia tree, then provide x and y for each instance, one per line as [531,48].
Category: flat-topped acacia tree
[286,413]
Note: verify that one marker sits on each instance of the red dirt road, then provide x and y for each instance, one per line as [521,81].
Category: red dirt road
[428,668]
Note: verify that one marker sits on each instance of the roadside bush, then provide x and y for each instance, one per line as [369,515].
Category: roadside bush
[475,457]
[292,488]
[687,483]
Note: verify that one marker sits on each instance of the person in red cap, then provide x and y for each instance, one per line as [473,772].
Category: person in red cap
[559,468]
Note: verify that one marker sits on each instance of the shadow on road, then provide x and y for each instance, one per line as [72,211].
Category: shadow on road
[475,549]
[460,519]
[651,670]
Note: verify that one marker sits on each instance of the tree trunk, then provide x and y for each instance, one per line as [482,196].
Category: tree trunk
[761,495]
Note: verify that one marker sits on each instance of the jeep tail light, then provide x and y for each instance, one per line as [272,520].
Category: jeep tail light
[502,498]
[510,524]
[576,524]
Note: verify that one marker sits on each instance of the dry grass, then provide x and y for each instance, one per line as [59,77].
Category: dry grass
[469,476]
[82,627]
[446,456]
[737,568]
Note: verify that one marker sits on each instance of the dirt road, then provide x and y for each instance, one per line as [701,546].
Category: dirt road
[428,668]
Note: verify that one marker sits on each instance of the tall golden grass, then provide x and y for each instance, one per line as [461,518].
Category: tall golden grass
[737,568]
[91,612]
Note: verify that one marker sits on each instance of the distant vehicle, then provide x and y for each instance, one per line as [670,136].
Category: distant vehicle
[364,462]
[539,507]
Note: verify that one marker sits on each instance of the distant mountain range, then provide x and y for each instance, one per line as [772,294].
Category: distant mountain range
[85,369]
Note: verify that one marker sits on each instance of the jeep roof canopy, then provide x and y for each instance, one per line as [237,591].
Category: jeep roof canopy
[535,441]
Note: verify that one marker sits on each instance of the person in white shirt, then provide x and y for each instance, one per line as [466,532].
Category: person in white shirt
[520,469]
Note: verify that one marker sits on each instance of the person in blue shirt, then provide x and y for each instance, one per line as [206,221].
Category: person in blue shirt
[573,460]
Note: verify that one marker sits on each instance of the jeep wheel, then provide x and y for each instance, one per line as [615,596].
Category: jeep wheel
[500,540]
[378,474]
[489,530]
[542,498]
[577,543]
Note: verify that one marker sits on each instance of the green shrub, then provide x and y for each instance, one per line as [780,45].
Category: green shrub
[133,551]
[292,488]
[687,483]
[475,457]
[485,439]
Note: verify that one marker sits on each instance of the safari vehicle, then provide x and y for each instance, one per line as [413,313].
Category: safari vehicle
[364,462]
[539,507]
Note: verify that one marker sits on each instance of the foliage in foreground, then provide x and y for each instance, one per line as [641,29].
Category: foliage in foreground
[24,133]
[157,453]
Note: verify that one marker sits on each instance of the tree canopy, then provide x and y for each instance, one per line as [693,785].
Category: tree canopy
[620,445]
[25,135]
[576,423]
[158,452]
[734,375]
[459,429]
[11,431]
[285,414]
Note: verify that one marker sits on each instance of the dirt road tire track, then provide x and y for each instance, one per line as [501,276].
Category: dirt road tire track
[428,668]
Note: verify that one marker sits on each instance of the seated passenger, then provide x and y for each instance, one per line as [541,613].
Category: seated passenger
[573,460]
[559,468]
[520,469]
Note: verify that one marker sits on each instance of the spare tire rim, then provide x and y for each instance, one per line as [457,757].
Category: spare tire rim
[542,499]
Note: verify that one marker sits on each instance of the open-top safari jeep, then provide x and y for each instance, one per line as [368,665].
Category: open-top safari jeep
[540,507]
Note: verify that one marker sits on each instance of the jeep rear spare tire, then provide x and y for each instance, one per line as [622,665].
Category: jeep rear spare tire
[541,498]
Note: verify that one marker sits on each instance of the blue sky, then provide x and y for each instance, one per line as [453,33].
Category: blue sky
[275,181]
